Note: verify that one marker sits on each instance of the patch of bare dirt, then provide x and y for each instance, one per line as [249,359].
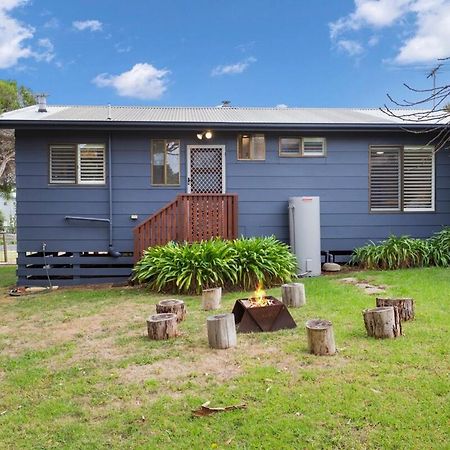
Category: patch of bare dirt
[223,365]
[220,365]
[93,334]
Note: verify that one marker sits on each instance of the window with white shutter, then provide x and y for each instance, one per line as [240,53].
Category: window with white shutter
[63,164]
[313,146]
[401,178]
[91,164]
[77,164]
[385,179]
[418,179]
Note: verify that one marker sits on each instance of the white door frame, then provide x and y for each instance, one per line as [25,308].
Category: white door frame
[188,165]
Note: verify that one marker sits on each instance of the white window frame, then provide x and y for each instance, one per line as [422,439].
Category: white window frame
[431,149]
[88,182]
[301,152]
[78,181]
[61,182]
[402,208]
[252,147]
[315,155]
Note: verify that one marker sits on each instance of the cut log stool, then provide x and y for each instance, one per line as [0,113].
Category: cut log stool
[405,306]
[221,331]
[293,294]
[211,298]
[174,306]
[320,337]
[162,326]
[382,322]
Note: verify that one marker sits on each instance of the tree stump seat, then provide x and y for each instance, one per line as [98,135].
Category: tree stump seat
[382,322]
[162,326]
[405,306]
[174,306]
[320,337]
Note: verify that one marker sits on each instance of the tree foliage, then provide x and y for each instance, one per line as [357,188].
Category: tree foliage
[12,96]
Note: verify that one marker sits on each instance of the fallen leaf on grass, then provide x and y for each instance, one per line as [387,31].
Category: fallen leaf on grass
[206,410]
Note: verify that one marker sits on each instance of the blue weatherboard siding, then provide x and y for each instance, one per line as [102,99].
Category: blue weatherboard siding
[340,179]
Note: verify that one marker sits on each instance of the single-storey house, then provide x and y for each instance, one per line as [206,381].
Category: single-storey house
[97,184]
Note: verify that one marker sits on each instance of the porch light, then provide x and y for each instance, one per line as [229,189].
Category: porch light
[205,134]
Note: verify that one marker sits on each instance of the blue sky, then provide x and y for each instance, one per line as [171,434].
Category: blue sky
[307,53]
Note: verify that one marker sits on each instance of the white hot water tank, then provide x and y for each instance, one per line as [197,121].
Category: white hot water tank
[304,230]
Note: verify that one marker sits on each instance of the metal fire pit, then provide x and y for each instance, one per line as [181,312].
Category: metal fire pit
[253,319]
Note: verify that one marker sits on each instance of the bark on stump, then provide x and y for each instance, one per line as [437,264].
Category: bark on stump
[382,322]
[221,331]
[293,294]
[162,326]
[320,337]
[405,306]
[211,298]
[174,306]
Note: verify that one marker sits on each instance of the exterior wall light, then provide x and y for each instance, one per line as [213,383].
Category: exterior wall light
[205,134]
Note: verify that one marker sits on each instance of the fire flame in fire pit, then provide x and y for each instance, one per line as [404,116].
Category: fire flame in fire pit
[259,297]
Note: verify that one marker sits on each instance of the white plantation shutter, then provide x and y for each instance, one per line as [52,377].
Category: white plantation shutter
[418,179]
[313,146]
[63,164]
[91,164]
[385,179]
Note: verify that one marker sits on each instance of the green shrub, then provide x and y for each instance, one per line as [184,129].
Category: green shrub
[403,252]
[242,263]
[263,260]
[440,248]
[393,253]
[187,267]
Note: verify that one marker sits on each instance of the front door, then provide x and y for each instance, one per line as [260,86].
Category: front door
[206,169]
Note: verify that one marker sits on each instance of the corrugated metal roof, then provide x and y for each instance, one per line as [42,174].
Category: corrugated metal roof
[200,115]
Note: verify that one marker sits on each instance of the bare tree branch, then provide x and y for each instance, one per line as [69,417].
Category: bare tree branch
[423,119]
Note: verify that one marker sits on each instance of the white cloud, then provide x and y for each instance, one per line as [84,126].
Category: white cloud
[374,40]
[232,69]
[121,48]
[52,23]
[281,106]
[13,35]
[353,48]
[431,39]
[47,50]
[90,25]
[15,38]
[142,81]
[426,23]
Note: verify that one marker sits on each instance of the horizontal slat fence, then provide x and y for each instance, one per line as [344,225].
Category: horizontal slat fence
[191,218]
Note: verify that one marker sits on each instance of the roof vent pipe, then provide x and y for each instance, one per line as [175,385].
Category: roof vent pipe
[109,112]
[42,102]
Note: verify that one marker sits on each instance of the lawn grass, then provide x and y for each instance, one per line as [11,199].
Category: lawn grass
[77,372]
[7,276]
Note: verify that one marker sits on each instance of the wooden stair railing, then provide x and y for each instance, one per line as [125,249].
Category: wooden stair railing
[191,218]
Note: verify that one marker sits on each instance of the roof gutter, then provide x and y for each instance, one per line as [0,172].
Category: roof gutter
[102,125]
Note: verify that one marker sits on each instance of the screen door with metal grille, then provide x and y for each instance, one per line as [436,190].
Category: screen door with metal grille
[206,169]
